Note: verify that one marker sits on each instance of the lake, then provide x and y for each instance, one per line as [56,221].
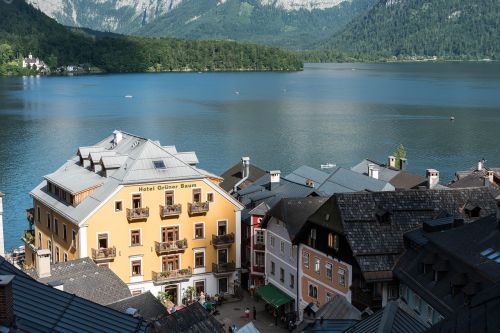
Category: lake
[336,113]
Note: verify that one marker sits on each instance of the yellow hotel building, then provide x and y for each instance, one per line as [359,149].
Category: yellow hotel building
[146,211]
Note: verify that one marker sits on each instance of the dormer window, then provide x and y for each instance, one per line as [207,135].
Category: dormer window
[159,165]
[383,216]
[472,212]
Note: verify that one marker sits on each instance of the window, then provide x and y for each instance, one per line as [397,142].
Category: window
[282,275]
[118,206]
[271,241]
[221,228]
[65,256]
[169,198]
[259,237]
[159,164]
[306,260]
[312,238]
[341,273]
[170,234]
[56,226]
[135,237]
[136,200]
[48,221]
[136,267]
[38,214]
[328,297]
[57,254]
[316,265]
[199,232]
[313,291]
[393,292]
[416,303]
[65,232]
[170,263]
[336,242]
[210,197]
[282,247]
[136,292]
[260,259]
[329,271]
[273,268]
[330,240]
[197,195]
[73,237]
[102,241]
[39,239]
[49,246]
[291,251]
[430,312]
[199,286]
[199,259]
[292,281]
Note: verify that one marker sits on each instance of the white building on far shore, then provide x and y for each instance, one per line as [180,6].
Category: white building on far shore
[34,63]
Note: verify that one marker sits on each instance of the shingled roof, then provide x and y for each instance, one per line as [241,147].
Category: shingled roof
[39,308]
[233,175]
[149,307]
[192,319]
[85,279]
[374,222]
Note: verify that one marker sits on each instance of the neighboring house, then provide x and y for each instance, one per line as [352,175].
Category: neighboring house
[145,306]
[145,211]
[447,265]
[369,228]
[241,175]
[283,223]
[81,277]
[28,306]
[397,176]
[478,176]
[265,192]
[34,63]
[191,319]
[394,318]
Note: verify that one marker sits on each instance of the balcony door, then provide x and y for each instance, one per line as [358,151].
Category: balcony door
[169,198]
[197,195]
[222,256]
[136,201]
[170,263]
[169,234]
[102,241]
[221,228]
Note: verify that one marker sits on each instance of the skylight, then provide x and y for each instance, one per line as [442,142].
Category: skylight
[159,165]
[494,255]
[486,252]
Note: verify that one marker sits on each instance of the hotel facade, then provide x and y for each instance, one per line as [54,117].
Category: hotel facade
[145,211]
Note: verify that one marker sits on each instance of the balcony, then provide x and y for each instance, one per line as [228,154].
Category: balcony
[198,207]
[225,268]
[28,238]
[137,214]
[30,215]
[258,269]
[259,246]
[175,246]
[170,276]
[222,240]
[104,253]
[170,210]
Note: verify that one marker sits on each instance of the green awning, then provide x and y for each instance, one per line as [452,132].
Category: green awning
[273,295]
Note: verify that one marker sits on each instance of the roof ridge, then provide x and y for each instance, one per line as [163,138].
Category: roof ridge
[174,156]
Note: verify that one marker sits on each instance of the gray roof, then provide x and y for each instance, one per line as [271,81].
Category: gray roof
[261,209]
[385,173]
[248,328]
[339,308]
[233,175]
[394,318]
[374,222]
[40,308]
[149,307]
[191,319]
[82,277]
[136,168]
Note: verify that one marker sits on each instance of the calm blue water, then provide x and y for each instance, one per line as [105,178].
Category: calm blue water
[327,113]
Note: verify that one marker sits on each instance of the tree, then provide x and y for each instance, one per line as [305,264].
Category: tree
[400,153]
[6,53]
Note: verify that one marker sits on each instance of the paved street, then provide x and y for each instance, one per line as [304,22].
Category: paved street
[233,313]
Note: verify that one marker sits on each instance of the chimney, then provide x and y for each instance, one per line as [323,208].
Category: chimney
[2,248]
[370,169]
[392,161]
[245,167]
[432,178]
[117,137]
[310,183]
[43,263]
[375,172]
[275,177]
[402,164]
[480,165]
[6,300]
[491,176]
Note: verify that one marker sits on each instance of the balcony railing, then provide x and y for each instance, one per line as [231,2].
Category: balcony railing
[198,207]
[174,246]
[170,210]
[136,214]
[223,240]
[258,269]
[30,215]
[28,237]
[167,276]
[227,267]
[259,246]
[104,253]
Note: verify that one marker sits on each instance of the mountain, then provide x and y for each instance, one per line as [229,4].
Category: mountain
[24,29]
[289,23]
[460,29]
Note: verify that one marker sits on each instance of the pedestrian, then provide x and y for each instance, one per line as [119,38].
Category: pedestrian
[247,314]
[254,313]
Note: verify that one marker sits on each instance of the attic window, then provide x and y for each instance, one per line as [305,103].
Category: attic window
[472,212]
[383,216]
[159,165]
